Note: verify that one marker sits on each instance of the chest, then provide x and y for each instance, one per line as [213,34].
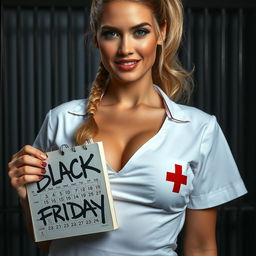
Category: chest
[124,132]
[158,175]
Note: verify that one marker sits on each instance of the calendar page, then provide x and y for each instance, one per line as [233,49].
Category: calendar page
[74,197]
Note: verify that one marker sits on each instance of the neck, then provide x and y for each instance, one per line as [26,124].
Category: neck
[130,95]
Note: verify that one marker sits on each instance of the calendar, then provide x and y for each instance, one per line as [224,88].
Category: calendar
[74,197]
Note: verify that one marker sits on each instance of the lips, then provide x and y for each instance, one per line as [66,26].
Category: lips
[127,64]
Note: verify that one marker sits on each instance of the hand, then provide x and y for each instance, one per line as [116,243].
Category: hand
[26,166]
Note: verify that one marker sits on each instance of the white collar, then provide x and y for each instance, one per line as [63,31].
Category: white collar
[173,110]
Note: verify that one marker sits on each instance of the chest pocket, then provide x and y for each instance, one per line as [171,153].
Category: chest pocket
[173,185]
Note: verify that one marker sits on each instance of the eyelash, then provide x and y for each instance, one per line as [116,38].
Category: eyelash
[109,34]
[139,33]
[143,31]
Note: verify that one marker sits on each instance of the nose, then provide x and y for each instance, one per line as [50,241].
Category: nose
[125,46]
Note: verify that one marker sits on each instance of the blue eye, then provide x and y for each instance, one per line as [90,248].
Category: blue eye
[141,32]
[109,34]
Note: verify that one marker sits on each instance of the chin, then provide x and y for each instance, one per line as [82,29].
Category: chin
[129,77]
[127,80]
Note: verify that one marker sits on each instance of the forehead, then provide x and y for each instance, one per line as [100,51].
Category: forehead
[128,13]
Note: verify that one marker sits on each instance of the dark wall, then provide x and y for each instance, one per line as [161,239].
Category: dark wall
[44,62]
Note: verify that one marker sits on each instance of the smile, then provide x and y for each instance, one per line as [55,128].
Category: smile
[127,65]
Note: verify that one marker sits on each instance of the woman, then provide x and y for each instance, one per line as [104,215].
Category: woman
[166,161]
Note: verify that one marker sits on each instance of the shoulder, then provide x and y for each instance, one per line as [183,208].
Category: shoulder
[196,122]
[74,107]
[183,113]
[191,122]
[195,115]
[67,116]
[61,123]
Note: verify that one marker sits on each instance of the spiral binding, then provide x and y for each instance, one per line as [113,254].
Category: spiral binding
[61,150]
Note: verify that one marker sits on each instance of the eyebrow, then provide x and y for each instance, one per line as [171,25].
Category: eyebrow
[132,28]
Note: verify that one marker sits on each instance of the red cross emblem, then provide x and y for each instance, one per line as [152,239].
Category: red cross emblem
[178,178]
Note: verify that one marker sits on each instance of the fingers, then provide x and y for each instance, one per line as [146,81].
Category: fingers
[21,181]
[26,173]
[29,160]
[26,170]
[26,166]
[29,150]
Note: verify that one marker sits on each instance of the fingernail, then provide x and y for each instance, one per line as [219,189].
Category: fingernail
[43,171]
[44,164]
[40,177]
[43,156]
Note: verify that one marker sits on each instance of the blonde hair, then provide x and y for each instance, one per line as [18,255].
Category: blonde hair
[167,72]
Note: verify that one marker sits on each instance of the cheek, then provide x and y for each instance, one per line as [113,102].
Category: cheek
[148,49]
[106,54]
[107,50]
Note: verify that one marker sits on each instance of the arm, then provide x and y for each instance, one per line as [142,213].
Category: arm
[200,235]
[25,167]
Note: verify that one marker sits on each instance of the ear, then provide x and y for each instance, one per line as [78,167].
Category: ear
[163,33]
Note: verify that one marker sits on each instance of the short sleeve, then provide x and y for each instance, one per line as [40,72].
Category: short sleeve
[217,179]
[44,139]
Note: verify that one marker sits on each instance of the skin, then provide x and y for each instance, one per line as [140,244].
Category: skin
[130,95]
[130,113]
[200,235]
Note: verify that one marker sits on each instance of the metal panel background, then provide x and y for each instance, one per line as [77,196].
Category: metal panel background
[44,62]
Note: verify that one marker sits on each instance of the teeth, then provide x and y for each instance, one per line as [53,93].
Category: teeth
[128,63]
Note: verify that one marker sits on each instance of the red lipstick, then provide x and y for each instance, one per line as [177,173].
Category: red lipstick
[127,64]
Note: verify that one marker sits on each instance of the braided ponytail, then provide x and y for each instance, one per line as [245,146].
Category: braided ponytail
[89,128]
[167,71]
